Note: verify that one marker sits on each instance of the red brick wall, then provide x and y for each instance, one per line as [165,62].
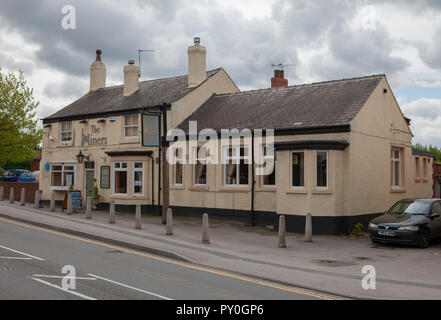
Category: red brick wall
[436,176]
[30,189]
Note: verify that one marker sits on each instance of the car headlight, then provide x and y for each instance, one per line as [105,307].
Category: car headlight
[409,228]
[372,225]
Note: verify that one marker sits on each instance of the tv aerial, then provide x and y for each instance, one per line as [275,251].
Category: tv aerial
[139,58]
[282,65]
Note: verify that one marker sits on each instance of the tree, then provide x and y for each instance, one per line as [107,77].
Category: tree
[19,135]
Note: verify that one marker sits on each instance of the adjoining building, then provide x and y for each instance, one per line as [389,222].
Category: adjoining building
[342,149]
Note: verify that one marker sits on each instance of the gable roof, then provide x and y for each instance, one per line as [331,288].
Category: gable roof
[323,104]
[109,100]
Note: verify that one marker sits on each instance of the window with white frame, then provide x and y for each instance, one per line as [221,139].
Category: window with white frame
[236,162]
[178,168]
[120,178]
[298,169]
[322,169]
[66,132]
[130,126]
[200,166]
[138,178]
[396,167]
[268,180]
[62,175]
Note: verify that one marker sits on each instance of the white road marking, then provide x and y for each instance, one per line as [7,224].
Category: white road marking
[133,288]
[65,290]
[25,254]
[16,258]
[61,277]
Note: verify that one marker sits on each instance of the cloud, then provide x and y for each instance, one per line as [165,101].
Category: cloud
[426,120]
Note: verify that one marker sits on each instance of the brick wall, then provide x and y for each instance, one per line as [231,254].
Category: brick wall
[436,177]
[30,189]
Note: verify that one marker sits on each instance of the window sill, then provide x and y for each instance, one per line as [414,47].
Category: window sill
[129,141]
[418,180]
[266,189]
[59,188]
[128,197]
[397,190]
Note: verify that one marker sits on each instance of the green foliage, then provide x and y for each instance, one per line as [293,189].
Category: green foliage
[2,171]
[95,192]
[71,187]
[19,136]
[357,230]
[430,148]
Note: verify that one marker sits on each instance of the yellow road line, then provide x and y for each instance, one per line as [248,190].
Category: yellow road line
[172,261]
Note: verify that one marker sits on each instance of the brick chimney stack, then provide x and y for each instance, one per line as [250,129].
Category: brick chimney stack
[279,79]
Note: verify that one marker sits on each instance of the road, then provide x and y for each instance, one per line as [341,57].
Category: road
[32,258]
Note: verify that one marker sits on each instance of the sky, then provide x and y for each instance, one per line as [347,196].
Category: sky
[319,39]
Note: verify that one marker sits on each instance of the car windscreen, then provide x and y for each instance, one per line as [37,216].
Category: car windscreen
[399,207]
[419,207]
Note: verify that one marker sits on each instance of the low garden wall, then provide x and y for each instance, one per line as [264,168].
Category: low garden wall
[30,189]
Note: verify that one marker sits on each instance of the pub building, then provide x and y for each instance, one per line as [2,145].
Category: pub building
[342,149]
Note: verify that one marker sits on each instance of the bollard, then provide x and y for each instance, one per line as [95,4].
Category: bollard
[52,205]
[69,204]
[23,197]
[282,232]
[11,195]
[37,200]
[112,212]
[89,208]
[308,228]
[1,194]
[138,224]
[205,227]
[169,226]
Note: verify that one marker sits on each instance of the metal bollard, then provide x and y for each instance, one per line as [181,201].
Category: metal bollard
[23,197]
[112,212]
[11,195]
[138,224]
[282,232]
[205,229]
[169,226]
[89,208]
[52,205]
[308,228]
[2,193]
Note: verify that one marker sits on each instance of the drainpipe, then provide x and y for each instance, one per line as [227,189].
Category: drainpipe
[253,181]
[153,178]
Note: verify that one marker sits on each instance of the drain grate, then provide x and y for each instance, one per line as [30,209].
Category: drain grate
[333,263]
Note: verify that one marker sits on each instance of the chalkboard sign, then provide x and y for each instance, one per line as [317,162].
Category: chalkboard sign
[77,200]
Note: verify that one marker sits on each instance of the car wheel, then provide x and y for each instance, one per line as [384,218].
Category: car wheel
[425,239]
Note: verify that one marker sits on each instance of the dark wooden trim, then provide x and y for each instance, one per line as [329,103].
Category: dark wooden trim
[312,145]
[129,153]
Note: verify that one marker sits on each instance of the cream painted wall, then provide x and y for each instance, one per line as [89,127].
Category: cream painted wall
[377,127]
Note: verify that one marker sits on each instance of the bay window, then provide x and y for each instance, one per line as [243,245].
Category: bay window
[138,178]
[120,178]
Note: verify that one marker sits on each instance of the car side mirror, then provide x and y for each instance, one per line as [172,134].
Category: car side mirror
[434,215]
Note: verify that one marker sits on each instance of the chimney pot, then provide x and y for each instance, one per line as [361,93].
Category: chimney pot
[131,61]
[279,79]
[197,40]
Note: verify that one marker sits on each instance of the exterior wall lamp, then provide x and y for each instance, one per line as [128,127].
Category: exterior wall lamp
[80,157]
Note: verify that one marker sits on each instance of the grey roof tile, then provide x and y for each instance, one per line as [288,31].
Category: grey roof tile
[110,99]
[310,105]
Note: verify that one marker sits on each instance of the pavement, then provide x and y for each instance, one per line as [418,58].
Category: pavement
[329,264]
